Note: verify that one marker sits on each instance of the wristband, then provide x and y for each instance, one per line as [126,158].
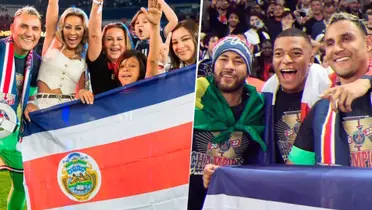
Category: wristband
[100,3]
[31,102]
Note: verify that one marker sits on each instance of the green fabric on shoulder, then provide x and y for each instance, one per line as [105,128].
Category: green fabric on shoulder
[212,113]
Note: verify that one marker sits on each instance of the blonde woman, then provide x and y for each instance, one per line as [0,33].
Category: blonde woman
[62,71]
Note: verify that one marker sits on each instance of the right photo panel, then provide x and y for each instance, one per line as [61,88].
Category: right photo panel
[283,95]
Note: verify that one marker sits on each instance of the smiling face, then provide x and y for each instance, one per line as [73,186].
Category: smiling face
[291,61]
[347,49]
[142,27]
[183,45]
[73,31]
[230,72]
[234,20]
[114,43]
[26,32]
[129,71]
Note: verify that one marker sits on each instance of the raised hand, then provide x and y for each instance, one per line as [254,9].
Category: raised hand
[164,49]
[154,12]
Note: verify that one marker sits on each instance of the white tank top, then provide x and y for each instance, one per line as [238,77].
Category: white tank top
[58,71]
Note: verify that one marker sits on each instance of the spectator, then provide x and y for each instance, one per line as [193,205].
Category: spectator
[209,41]
[142,27]
[257,32]
[318,29]
[353,8]
[234,22]
[63,65]
[275,25]
[288,20]
[265,60]
[183,47]
[105,49]
[317,15]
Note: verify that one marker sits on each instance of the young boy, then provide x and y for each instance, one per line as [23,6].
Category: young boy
[141,27]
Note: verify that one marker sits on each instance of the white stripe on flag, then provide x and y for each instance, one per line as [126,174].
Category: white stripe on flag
[13,77]
[226,202]
[173,199]
[4,67]
[111,129]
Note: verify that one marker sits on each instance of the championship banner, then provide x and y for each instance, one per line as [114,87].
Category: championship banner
[289,188]
[129,150]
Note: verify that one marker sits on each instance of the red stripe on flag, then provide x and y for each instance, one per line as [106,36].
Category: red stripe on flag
[328,139]
[304,111]
[138,165]
[9,68]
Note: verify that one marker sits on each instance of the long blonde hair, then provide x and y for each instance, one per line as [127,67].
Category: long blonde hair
[73,11]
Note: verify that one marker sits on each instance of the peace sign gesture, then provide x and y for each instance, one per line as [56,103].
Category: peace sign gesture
[164,49]
[154,12]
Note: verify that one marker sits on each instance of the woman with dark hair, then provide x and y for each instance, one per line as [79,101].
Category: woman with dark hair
[183,45]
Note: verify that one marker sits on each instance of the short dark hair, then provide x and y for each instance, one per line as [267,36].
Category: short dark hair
[329,4]
[208,37]
[315,0]
[279,5]
[259,15]
[294,32]
[142,60]
[231,11]
[346,16]
[286,13]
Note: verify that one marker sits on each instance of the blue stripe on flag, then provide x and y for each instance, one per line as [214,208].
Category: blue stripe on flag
[327,187]
[141,94]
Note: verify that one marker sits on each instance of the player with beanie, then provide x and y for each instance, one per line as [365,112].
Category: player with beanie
[229,116]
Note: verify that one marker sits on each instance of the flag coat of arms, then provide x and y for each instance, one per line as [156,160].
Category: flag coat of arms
[129,150]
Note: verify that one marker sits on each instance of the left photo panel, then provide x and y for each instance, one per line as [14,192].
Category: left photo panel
[97,103]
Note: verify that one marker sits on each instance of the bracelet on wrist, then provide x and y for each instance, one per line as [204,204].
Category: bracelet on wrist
[99,3]
[31,102]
